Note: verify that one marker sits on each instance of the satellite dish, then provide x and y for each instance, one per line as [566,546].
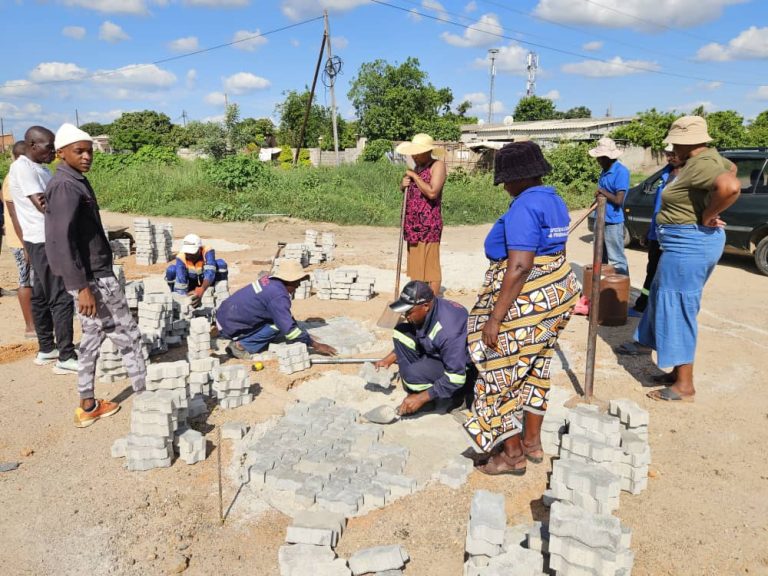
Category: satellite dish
[508,120]
[480,122]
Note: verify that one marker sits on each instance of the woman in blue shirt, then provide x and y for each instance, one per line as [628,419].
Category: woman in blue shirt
[525,302]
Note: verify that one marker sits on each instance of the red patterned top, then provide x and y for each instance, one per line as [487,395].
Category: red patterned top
[423,217]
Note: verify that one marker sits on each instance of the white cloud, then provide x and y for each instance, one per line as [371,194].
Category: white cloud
[218,3]
[614,67]
[111,32]
[435,7]
[19,89]
[244,82]
[248,41]
[760,94]
[136,76]
[552,95]
[752,43]
[414,15]
[113,6]
[56,71]
[593,46]
[191,78]
[299,9]
[216,118]
[484,32]
[511,59]
[339,42]
[646,15]
[689,106]
[471,6]
[479,101]
[13,112]
[186,44]
[215,99]
[74,32]
[709,85]
[101,117]
[295,43]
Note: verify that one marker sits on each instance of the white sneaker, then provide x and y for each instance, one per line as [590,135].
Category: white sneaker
[66,367]
[44,358]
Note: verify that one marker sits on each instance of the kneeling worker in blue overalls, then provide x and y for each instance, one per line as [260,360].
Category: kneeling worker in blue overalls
[430,349]
[195,269]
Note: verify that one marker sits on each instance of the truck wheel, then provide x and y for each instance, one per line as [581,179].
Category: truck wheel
[627,237]
[761,256]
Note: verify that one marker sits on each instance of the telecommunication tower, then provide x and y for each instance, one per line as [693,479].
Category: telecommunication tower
[532,66]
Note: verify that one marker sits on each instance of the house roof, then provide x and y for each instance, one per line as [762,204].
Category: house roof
[574,127]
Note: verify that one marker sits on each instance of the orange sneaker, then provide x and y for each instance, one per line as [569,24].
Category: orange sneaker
[103,409]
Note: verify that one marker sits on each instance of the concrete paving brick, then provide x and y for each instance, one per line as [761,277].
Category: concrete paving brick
[375,496]
[142,465]
[192,456]
[160,401]
[398,484]
[517,561]
[487,518]
[538,538]
[144,429]
[599,560]
[592,479]
[234,430]
[378,559]
[629,413]
[295,556]
[159,418]
[613,439]
[632,443]
[285,479]
[150,441]
[119,447]
[202,365]
[594,530]
[146,452]
[478,546]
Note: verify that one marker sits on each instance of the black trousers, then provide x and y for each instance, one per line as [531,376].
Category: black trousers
[52,306]
[654,255]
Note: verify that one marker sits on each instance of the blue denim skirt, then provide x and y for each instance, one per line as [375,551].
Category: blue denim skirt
[689,255]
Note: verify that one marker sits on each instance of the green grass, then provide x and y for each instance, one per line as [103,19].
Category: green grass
[364,193]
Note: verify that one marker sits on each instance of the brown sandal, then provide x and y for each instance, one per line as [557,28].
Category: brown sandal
[528,448]
[502,464]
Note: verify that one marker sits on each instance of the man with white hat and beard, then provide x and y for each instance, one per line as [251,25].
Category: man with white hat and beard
[260,312]
[79,252]
[195,269]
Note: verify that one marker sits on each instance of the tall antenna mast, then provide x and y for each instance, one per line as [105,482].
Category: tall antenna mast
[532,66]
[492,52]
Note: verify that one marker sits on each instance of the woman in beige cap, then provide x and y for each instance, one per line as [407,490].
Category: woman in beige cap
[423,225]
[692,239]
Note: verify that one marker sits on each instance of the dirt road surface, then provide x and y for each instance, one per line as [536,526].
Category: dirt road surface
[72,509]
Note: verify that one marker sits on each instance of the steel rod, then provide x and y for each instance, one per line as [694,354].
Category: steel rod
[594,298]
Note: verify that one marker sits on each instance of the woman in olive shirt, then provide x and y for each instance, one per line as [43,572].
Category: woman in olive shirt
[692,239]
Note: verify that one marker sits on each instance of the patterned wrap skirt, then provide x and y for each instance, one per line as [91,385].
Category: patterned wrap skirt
[514,377]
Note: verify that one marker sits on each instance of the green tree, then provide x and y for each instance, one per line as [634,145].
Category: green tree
[578,112]
[727,129]
[292,111]
[390,100]
[136,129]
[757,131]
[95,128]
[211,138]
[256,131]
[648,130]
[531,108]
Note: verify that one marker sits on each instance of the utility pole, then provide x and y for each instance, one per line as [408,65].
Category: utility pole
[184,117]
[492,52]
[532,67]
[226,102]
[2,135]
[77,118]
[332,82]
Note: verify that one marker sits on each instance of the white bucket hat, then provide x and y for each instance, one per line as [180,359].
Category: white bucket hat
[69,134]
[191,244]
[688,130]
[418,145]
[289,271]
[606,147]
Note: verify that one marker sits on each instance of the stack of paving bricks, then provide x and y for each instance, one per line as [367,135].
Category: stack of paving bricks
[143,235]
[201,364]
[310,540]
[163,239]
[343,284]
[602,439]
[316,253]
[582,543]
[555,422]
[303,290]
[117,270]
[121,248]
[134,293]
[291,357]
[297,251]
[153,419]
[328,244]
[584,484]
[491,548]
[220,292]
[109,367]
[318,456]
[156,313]
[171,376]
[231,386]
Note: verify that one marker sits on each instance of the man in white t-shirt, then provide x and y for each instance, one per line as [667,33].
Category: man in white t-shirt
[52,305]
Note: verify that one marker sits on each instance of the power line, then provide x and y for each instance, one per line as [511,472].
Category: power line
[561,51]
[160,61]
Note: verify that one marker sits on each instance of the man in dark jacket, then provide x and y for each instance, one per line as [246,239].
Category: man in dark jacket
[79,252]
[258,313]
[430,348]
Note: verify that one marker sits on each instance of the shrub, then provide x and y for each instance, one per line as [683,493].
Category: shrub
[375,150]
[285,159]
[238,172]
[574,173]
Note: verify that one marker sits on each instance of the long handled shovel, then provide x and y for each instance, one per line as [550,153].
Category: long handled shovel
[389,318]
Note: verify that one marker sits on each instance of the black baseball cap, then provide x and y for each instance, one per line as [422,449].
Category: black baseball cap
[413,294]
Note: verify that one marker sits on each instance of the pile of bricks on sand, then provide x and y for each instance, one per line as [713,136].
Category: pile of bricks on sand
[154,242]
[343,284]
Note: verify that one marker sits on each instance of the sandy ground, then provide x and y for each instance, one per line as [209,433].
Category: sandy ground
[71,509]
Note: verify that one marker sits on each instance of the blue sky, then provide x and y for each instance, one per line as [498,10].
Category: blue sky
[105,57]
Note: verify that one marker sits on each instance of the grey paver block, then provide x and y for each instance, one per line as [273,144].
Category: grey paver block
[234,430]
[378,559]
[487,518]
[594,530]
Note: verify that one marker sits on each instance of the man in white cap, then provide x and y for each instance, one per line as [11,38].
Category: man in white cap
[613,184]
[258,313]
[195,269]
[52,310]
[79,252]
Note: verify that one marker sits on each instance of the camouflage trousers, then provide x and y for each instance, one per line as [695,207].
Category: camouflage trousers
[113,319]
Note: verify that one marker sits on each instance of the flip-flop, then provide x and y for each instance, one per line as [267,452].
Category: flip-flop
[669,395]
[631,349]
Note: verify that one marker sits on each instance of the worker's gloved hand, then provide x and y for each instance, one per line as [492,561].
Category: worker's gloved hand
[324,349]
[413,403]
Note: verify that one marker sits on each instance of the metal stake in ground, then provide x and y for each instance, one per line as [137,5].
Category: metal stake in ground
[218,459]
[594,298]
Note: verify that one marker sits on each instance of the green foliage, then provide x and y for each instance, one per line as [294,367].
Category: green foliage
[136,129]
[238,172]
[144,156]
[578,112]
[211,139]
[727,129]
[574,173]
[256,131]
[532,108]
[375,150]
[5,163]
[95,128]
[292,111]
[649,130]
[285,158]
[390,100]
[442,128]
[757,131]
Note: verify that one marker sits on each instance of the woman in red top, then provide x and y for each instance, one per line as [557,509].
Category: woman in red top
[423,217]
